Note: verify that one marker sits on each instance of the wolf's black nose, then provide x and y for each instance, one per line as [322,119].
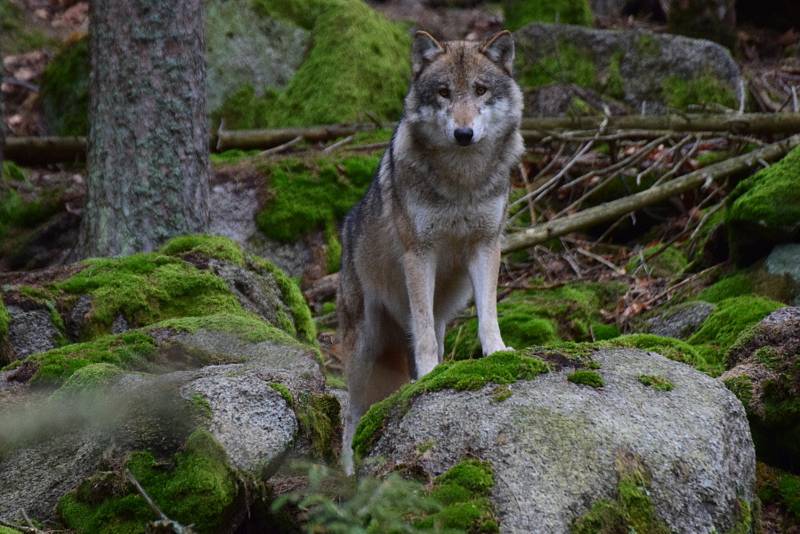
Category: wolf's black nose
[463,136]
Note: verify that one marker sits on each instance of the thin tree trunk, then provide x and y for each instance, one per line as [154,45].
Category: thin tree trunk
[148,138]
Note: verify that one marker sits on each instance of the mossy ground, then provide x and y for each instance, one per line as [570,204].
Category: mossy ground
[570,65]
[756,219]
[539,317]
[781,489]
[319,419]
[22,205]
[88,378]
[195,487]
[65,90]
[631,511]
[519,13]
[658,261]
[357,68]
[5,319]
[498,368]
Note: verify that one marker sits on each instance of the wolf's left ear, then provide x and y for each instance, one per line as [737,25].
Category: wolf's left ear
[424,50]
[500,49]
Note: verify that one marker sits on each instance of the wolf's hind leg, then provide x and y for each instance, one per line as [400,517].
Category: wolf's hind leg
[380,365]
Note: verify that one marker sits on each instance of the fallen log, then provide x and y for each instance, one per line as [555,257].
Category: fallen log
[45,150]
[617,208]
[751,123]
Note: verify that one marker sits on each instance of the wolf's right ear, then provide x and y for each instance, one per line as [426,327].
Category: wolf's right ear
[500,49]
[424,50]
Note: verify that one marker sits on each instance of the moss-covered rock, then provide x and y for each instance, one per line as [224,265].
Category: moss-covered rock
[5,318]
[498,368]
[633,509]
[779,492]
[764,210]
[659,71]
[357,67]
[732,317]
[196,486]
[92,377]
[586,377]
[656,382]
[518,13]
[463,491]
[65,90]
[765,376]
[308,195]
[539,317]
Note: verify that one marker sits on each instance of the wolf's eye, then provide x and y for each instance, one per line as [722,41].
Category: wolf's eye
[480,89]
[444,92]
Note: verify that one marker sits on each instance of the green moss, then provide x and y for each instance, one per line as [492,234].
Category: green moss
[586,378]
[463,491]
[247,327]
[203,406]
[5,320]
[735,285]
[333,248]
[147,288]
[318,417]
[284,392]
[519,13]
[646,45]
[703,90]
[668,262]
[631,511]
[130,350]
[764,210]
[498,368]
[65,90]
[12,171]
[540,317]
[615,84]
[89,378]
[357,68]
[19,213]
[221,248]
[732,317]
[334,381]
[502,393]
[198,488]
[303,325]
[8,530]
[742,387]
[656,382]
[312,195]
[674,349]
[569,65]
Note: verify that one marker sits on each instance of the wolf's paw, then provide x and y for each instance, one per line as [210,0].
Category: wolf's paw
[497,348]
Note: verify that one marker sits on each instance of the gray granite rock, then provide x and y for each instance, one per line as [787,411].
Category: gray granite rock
[552,444]
[31,331]
[680,321]
[785,260]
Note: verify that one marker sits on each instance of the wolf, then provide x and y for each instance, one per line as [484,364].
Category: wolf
[426,235]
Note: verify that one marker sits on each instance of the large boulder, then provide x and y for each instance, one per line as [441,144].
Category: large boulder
[764,374]
[680,321]
[240,404]
[635,441]
[244,48]
[764,210]
[645,70]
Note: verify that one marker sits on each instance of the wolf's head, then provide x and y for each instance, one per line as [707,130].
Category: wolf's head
[462,92]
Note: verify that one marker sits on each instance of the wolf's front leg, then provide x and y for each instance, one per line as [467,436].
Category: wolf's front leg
[420,277]
[484,267]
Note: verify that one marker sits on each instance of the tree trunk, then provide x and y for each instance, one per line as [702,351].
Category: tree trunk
[148,137]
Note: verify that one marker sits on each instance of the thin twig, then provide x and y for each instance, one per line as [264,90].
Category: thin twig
[337,144]
[601,259]
[280,148]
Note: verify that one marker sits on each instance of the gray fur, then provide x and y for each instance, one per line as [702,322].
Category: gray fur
[427,231]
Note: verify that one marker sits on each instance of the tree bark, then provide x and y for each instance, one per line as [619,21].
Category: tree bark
[148,135]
